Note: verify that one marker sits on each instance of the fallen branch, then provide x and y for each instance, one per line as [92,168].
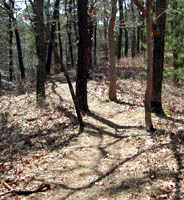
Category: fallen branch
[41,188]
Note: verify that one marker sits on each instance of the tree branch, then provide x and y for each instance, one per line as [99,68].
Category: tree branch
[43,187]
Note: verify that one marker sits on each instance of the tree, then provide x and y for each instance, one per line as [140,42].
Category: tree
[68,13]
[133,38]
[148,93]
[112,66]
[11,69]
[120,29]
[10,8]
[52,33]
[158,55]
[41,51]
[83,55]
[126,33]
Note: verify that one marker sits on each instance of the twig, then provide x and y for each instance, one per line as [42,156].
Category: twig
[42,188]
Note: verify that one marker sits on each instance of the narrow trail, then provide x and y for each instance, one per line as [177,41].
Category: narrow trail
[114,158]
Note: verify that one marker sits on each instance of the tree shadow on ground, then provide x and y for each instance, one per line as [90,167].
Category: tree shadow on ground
[177,139]
[172,119]
[18,141]
[61,78]
[123,187]
[112,124]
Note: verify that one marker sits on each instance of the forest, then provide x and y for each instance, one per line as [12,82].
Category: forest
[91,99]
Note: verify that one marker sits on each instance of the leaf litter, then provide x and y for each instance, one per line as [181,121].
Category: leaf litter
[114,158]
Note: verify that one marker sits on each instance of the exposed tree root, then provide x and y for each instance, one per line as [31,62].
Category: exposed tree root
[41,188]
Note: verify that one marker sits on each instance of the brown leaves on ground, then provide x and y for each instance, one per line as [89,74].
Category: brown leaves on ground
[113,159]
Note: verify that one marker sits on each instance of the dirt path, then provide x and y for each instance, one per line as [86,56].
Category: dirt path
[114,158]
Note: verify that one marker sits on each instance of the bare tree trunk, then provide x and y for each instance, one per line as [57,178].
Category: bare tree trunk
[126,33]
[105,23]
[75,21]
[11,69]
[120,29]
[112,67]
[10,8]
[148,120]
[64,69]
[52,33]
[83,55]
[95,44]
[41,52]
[60,45]
[133,45]
[158,56]
[68,13]
[20,58]
[138,40]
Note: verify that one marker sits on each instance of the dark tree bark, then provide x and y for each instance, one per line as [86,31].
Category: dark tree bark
[120,29]
[91,14]
[112,66]
[10,8]
[158,56]
[126,42]
[83,55]
[95,44]
[52,34]
[126,33]
[47,13]
[39,19]
[75,20]
[133,45]
[147,101]
[41,52]
[68,13]
[60,45]
[105,23]
[148,120]
[20,58]
[138,39]
[142,35]
[11,69]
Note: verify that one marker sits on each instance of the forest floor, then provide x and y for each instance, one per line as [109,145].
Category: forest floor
[114,158]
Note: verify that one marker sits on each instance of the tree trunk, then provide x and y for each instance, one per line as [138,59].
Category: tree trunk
[10,8]
[20,58]
[112,67]
[105,23]
[126,33]
[75,21]
[68,13]
[52,33]
[64,69]
[95,44]
[138,39]
[41,52]
[133,45]
[158,56]
[126,42]
[147,101]
[142,38]
[120,29]
[60,45]
[11,69]
[83,55]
